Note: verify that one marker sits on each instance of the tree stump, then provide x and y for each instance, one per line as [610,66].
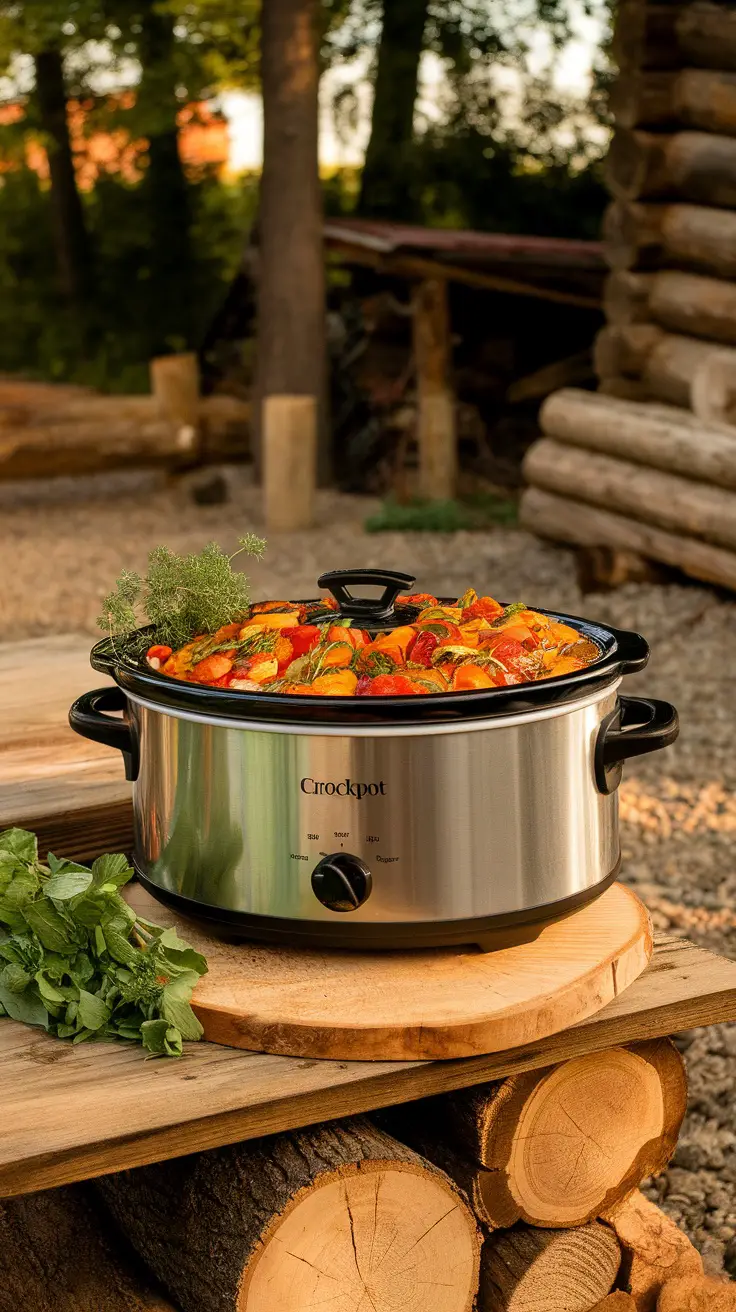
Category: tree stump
[57,1254]
[654,1250]
[339,1214]
[527,1270]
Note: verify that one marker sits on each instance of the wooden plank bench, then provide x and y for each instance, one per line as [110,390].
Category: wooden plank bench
[57,1124]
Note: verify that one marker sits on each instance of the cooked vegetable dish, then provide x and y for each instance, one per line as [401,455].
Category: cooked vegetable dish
[298,648]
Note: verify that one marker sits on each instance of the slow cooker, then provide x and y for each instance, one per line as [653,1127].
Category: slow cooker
[374,822]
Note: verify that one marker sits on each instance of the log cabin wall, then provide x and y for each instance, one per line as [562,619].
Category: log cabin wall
[670,230]
[620,474]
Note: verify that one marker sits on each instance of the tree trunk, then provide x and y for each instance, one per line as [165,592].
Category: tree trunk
[696,166]
[386,190]
[291,347]
[564,519]
[666,500]
[660,437]
[654,1250]
[172,321]
[527,1270]
[647,236]
[336,1213]
[58,1254]
[694,98]
[73,250]
[616,1114]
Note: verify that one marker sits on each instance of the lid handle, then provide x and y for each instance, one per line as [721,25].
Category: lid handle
[374,609]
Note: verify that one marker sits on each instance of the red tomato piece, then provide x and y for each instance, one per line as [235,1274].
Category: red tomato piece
[303,638]
[484,608]
[420,650]
[392,685]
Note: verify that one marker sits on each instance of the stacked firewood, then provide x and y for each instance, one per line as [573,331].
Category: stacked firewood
[519,1196]
[630,482]
[670,233]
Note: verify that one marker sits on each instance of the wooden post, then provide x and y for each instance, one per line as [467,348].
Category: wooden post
[436,434]
[175,387]
[289,461]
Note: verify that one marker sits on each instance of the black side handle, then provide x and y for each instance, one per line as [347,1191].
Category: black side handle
[370,609]
[631,649]
[637,726]
[88,717]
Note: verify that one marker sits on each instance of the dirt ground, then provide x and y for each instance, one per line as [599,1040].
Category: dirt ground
[678,807]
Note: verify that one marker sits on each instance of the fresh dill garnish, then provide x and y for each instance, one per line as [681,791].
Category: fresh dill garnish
[181,596]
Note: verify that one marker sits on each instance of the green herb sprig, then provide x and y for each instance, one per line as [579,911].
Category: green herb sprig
[77,961]
[181,596]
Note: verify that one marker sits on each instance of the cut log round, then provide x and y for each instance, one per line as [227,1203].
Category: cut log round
[697,166]
[694,97]
[659,436]
[666,363]
[638,235]
[560,1145]
[58,1254]
[697,1294]
[418,1005]
[528,1270]
[339,1214]
[654,1250]
[565,520]
[713,389]
[666,500]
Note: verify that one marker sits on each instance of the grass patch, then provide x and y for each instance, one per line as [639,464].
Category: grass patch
[475,513]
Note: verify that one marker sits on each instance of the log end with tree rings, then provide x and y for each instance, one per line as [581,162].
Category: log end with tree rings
[528,1270]
[340,1216]
[379,1237]
[561,1146]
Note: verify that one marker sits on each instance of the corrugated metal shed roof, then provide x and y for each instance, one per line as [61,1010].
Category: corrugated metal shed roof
[478,248]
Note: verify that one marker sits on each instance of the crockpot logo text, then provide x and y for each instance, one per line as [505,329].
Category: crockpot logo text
[345,788]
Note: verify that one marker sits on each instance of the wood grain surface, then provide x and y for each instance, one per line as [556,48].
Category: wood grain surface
[70,791]
[440,1003]
[70,1113]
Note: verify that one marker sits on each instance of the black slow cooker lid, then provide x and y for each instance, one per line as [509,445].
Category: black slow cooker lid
[622,652]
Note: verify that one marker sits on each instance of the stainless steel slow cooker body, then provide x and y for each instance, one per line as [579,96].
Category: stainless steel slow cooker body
[382,821]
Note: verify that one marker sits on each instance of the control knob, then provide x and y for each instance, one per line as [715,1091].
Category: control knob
[341,882]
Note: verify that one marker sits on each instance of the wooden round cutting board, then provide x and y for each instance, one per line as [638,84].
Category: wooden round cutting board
[438,1002]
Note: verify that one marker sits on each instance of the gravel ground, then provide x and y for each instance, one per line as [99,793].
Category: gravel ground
[678,807]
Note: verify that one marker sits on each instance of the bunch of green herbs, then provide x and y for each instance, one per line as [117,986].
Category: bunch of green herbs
[179,596]
[77,961]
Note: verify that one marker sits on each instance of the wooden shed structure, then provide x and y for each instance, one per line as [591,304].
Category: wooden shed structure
[647,464]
